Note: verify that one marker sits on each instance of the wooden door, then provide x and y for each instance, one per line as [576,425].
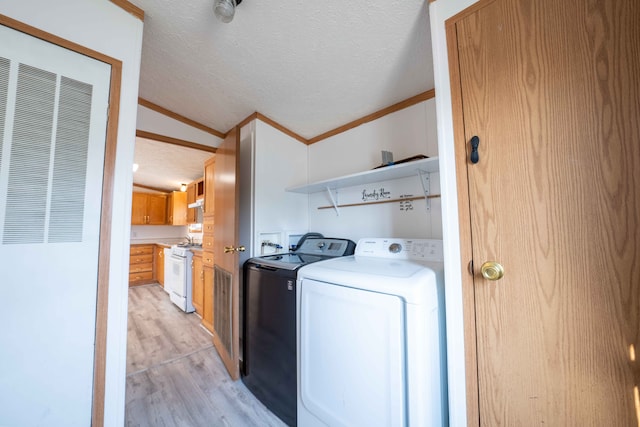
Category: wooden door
[197,278]
[159,260]
[191,198]
[156,209]
[209,194]
[138,208]
[551,90]
[226,302]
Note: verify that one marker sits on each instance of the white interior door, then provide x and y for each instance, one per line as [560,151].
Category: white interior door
[53,116]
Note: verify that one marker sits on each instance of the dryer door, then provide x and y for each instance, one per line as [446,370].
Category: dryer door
[352,357]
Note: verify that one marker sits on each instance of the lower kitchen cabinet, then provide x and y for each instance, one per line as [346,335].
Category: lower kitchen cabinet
[197,278]
[159,261]
[141,264]
[207,305]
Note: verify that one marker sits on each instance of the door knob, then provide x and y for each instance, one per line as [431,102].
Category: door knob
[228,249]
[492,270]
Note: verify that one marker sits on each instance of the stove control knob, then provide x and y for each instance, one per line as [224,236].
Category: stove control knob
[395,248]
[321,244]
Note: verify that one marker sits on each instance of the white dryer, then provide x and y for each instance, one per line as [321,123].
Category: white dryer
[371,337]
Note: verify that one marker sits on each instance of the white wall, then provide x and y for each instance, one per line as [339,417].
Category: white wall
[270,161]
[406,133]
[439,12]
[106,28]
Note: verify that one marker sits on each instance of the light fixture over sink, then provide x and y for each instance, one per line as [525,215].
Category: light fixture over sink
[183,187]
[225,9]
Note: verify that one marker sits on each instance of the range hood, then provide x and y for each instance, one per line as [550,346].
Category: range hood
[197,204]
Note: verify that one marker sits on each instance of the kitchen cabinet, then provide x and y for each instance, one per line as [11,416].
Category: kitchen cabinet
[148,209]
[195,191]
[177,208]
[159,264]
[207,243]
[197,279]
[209,170]
[141,264]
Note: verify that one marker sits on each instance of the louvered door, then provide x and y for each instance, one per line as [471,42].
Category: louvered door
[53,115]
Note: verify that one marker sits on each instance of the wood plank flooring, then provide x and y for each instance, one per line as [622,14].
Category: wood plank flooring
[174,375]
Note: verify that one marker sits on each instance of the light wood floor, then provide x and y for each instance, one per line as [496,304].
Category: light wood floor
[174,375]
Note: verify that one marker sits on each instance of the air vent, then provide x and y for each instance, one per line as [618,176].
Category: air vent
[47,169]
[222,308]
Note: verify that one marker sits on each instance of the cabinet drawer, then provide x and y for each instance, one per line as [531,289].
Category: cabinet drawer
[140,268]
[207,243]
[141,259]
[207,228]
[141,250]
[207,259]
[137,277]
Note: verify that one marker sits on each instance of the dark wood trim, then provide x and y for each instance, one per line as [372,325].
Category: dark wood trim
[104,261]
[148,187]
[374,116]
[272,123]
[246,121]
[130,7]
[158,109]
[174,141]
[51,38]
[281,128]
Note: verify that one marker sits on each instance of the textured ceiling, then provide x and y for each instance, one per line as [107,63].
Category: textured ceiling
[166,166]
[309,65]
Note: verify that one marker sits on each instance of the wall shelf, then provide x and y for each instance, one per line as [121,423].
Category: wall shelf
[403,170]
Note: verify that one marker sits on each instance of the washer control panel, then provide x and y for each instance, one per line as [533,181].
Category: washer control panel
[413,249]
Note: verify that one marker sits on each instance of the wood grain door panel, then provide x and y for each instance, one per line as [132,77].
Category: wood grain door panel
[226,235]
[551,90]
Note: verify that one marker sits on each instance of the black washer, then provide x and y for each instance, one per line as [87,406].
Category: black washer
[269,311]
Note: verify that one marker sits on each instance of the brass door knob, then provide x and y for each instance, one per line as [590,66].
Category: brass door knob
[228,249]
[492,270]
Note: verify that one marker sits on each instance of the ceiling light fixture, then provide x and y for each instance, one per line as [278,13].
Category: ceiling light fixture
[135,167]
[183,187]
[225,9]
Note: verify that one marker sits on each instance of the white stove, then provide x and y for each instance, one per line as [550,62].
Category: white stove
[177,276]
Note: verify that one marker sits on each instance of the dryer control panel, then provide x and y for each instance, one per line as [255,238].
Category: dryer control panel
[413,249]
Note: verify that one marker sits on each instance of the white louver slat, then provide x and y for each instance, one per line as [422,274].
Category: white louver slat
[41,202]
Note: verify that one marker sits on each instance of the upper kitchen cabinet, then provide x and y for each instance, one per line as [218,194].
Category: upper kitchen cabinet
[148,209]
[209,169]
[177,208]
[195,191]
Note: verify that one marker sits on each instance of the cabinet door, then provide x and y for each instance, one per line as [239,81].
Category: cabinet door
[156,209]
[209,169]
[138,208]
[159,260]
[197,276]
[177,208]
[191,198]
[207,302]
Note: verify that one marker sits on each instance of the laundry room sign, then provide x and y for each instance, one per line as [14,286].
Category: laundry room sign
[375,194]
